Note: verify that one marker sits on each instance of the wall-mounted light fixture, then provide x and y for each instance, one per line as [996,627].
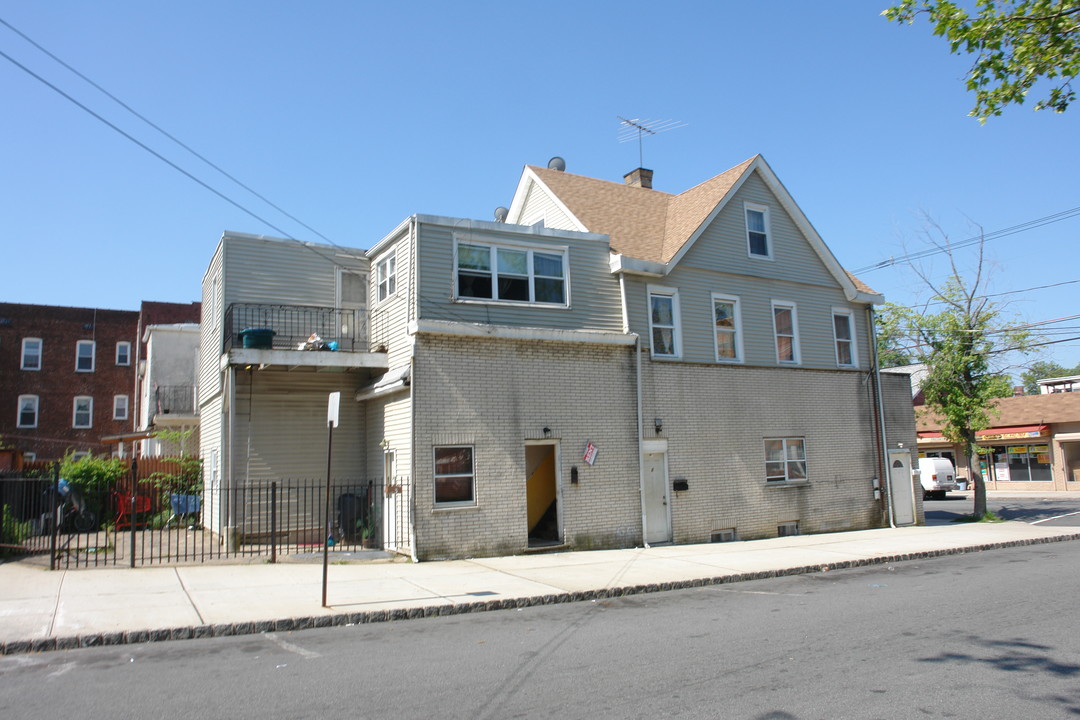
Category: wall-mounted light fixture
[659,425]
[547,432]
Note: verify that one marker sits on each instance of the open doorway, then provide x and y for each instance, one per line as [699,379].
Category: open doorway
[542,495]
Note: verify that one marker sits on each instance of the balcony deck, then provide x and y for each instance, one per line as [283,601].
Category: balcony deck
[297,336]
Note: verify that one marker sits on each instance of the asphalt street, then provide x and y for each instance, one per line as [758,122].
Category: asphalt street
[1052,509]
[977,635]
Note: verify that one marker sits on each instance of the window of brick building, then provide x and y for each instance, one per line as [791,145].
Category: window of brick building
[84,356]
[31,354]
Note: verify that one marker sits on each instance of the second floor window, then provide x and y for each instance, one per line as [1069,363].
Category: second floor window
[728,328]
[28,411]
[385,278]
[511,274]
[120,407]
[83,414]
[664,322]
[123,353]
[844,335]
[84,356]
[786,329]
[31,354]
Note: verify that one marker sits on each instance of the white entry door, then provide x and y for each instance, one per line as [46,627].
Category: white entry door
[900,487]
[657,512]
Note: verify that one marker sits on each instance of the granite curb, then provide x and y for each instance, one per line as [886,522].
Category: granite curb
[132,637]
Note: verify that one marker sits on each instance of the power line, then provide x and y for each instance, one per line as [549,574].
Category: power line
[161,157]
[1005,232]
[161,130]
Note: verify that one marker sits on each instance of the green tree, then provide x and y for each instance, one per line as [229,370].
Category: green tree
[1044,369]
[1016,43]
[961,336]
[889,332]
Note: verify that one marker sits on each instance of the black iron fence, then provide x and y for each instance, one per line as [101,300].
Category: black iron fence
[291,327]
[154,521]
[173,400]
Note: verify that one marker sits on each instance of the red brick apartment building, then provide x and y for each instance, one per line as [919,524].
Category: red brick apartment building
[68,376]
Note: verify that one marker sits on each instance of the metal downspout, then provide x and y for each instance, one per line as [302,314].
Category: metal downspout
[413,298]
[637,389]
[886,477]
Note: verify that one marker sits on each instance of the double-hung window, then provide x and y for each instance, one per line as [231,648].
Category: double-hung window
[664,322]
[786,331]
[83,412]
[757,231]
[84,356]
[31,354]
[123,353]
[785,459]
[454,475]
[385,277]
[511,274]
[28,411]
[844,338]
[728,328]
[120,407]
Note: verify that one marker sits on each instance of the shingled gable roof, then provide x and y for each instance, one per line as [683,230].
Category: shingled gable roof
[658,227]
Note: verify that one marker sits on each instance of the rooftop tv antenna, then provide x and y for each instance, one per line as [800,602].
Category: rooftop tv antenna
[629,128]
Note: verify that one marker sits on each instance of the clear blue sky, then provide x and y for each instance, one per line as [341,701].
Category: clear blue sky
[353,115]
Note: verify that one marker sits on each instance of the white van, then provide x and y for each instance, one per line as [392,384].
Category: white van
[937,477]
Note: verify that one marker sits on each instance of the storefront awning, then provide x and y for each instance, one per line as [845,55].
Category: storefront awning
[1017,432]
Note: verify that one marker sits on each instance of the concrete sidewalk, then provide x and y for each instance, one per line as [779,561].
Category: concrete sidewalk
[42,610]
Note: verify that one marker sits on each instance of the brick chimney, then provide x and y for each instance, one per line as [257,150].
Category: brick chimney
[641,178]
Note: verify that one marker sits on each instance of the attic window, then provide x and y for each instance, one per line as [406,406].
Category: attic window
[757,231]
[511,274]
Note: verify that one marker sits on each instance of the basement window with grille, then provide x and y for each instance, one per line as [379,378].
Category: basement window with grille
[787,529]
[725,535]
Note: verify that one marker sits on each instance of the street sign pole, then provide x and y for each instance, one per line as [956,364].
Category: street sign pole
[331,422]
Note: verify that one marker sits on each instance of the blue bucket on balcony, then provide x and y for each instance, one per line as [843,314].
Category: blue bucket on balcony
[257,338]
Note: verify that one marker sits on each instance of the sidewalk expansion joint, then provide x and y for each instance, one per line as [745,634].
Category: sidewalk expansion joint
[131,637]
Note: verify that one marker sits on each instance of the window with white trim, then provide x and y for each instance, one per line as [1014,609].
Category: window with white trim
[664,322]
[516,274]
[28,411]
[844,337]
[29,456]
[454,475]
[727,326]
[123,353]
[385,277]
[120,407]
[786,331]
[82,412]
[785,460]
[31,354]
[84,356]
[757,231]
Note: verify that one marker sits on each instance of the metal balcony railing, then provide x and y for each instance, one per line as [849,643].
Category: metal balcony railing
[173,400]
[288,327]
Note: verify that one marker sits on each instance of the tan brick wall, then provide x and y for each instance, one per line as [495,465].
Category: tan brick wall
[497,394]
[716,419]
